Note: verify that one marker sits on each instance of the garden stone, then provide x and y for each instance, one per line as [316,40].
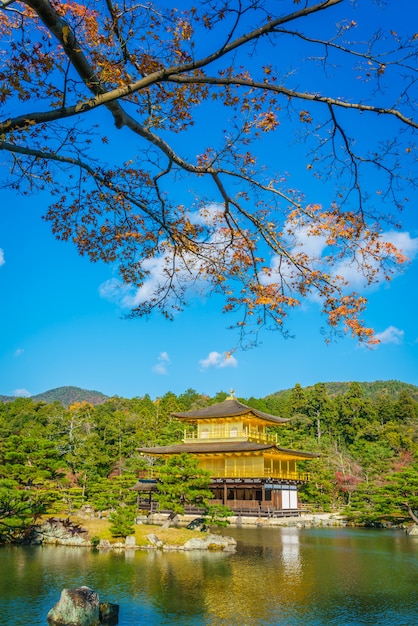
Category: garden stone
[76,607]
[130,541]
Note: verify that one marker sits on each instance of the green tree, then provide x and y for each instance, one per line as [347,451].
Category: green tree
[182,483]
[217,515]
[190,399]
[355,412]
[297,400]
[319,494]
[398,496]
[18,509]
[384,407]
[109,493]
[320,408]
[406,407]
[122,522]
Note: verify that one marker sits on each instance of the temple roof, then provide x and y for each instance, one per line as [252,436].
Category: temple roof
[224,447]
[228,408]
[144,485]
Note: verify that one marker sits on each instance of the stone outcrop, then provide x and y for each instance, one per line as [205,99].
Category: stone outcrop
[413,530]
[81,607]
[211,542]
[154,541]
[76,607]
[108,613]
[59,531]
[63,532]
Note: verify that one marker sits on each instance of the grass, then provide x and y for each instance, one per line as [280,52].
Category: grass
[101,528]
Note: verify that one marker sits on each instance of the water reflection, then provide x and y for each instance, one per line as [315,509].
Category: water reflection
[291,561]
[284,577]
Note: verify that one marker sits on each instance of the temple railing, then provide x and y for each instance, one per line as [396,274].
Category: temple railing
[224,434]
[250,473]
[238,508]
[237,473]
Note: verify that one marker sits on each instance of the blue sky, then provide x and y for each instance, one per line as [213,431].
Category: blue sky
[60,328]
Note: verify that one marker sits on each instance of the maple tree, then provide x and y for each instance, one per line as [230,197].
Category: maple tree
[159,135]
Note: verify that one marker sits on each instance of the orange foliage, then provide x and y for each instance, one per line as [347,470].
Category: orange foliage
[158,73]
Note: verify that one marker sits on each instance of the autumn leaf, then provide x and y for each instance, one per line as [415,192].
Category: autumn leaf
[195,186]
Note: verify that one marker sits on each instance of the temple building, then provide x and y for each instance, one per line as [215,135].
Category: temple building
[250,473]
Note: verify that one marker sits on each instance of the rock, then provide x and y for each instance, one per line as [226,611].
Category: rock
[81,607]
[413,530]
[108,613]
[155,541]
[211,542]
[219,542]
[105,544]
[61,532]
[195,544]
[76,607]
[130,541]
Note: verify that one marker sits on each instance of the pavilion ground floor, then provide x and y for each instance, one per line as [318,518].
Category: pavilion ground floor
[258,497]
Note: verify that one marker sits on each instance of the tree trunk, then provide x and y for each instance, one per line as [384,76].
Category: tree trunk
[171,519]
[411,513]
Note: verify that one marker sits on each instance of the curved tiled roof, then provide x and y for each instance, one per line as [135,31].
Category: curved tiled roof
[223,447]
[228,408]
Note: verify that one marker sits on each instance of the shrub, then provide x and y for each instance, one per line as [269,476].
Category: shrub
[122,521]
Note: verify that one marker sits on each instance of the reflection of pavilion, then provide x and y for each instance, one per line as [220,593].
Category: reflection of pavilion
[251,473]
[290,556]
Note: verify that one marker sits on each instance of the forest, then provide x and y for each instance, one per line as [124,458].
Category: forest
[56,459]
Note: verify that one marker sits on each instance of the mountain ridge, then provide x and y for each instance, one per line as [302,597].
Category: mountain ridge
[67,395]
[370,389]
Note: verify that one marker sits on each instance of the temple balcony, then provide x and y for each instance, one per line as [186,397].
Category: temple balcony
[249,473]
[222,435]
[153,474]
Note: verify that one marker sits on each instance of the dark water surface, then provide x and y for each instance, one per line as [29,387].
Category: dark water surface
[282,576]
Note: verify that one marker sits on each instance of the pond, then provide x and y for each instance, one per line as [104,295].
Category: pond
[281,576]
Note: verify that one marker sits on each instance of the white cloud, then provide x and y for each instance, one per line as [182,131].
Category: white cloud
[407,245]
[189,270]
[161,366]
[129,297]
[18,352]
[218,360]
[2,261]
[314,247]
[21,393]
[391,335]
[114,290]
[302,242]
[207,215]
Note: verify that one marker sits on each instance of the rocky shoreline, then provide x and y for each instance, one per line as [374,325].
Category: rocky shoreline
[57,531]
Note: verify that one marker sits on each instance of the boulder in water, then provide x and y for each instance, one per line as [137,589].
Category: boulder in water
[81,607]
[109,613]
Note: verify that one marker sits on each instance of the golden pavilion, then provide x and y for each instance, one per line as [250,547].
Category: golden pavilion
[250,473]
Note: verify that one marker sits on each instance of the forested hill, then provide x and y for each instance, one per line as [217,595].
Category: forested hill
[69,456]
[370,390]
[68,395]
[65,396]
